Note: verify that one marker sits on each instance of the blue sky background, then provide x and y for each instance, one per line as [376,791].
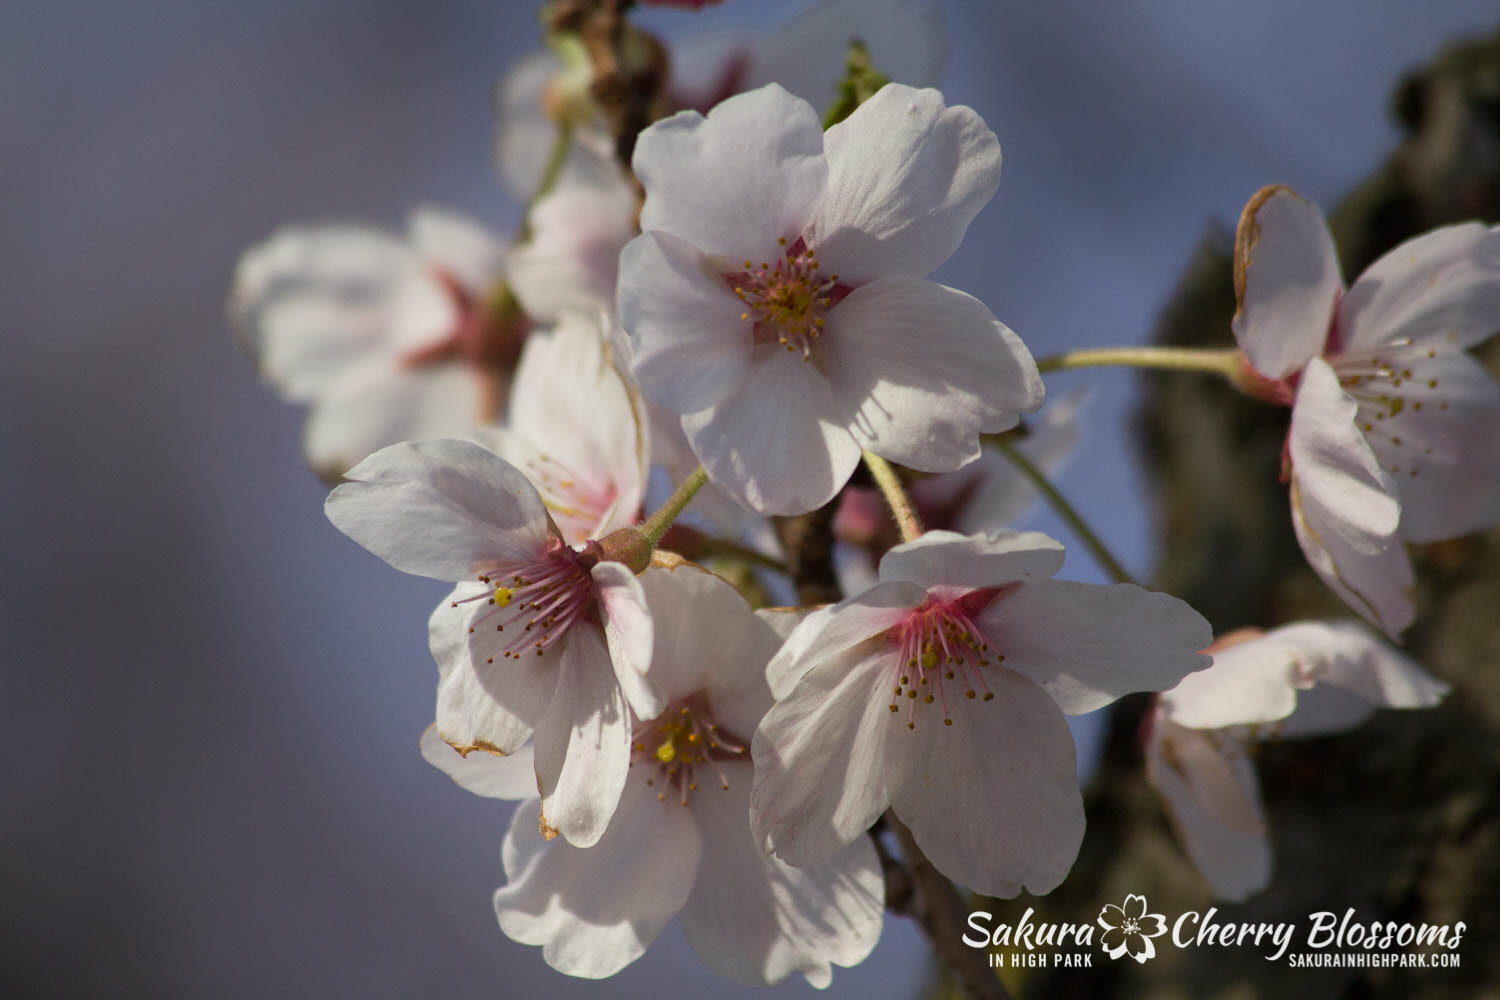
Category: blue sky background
[211,698]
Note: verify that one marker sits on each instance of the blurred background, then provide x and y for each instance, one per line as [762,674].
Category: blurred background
[211,698]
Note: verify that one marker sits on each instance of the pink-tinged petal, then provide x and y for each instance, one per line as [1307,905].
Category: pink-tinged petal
[444,509]
[1440,290]
[1345,654]
[690,348]
[993,799]
[757,920]
[904,39]
[774,444]
[1213,799]
[906,176]
[1431,425]
[583,744]
[1286,277]
[1087,644]
[948,559]
[485,701]
[1250,683]
[1344,507]
[923,370]
[828,632]
[457,246]
[595,911]
[382,405]
[734,183]
[820,759]
[487,774]
[629,630]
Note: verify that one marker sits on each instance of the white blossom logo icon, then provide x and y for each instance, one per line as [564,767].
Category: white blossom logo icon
[1129,928]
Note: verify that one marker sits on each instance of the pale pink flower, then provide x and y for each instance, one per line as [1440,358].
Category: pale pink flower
[940,694]
[1393,424]
[573,427]
[776,297]
[679,844]
[543,638]
[385,338]
[1306,679]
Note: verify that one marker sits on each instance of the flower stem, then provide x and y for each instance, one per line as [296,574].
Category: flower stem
[1222,362]
[890,484]
[1065,510]
[657,524]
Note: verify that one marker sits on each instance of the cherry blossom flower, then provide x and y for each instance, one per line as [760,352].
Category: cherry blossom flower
[1129,928]
[776,297]
[1392,436]
[679,844]
[573,428]
[541,637]
[387,339]
[940,693]
[1306,679]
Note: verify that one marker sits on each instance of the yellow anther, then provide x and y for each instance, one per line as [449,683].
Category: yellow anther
[502,596]
[929,658]
[667,752]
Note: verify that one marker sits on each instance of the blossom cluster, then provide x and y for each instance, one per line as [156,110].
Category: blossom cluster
[745,308]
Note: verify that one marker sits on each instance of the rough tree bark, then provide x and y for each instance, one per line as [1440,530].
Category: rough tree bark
[1401,817]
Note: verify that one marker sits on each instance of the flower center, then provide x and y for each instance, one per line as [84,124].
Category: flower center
[674,745]
[786,300]
[1381,381]
[577,501]
[940,647]
[538,601]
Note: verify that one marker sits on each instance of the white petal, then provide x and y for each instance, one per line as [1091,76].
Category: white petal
[690,348]
[904,39]
[485,700]
[1087,644]
[1250,683]
[774,444]
[756,920]
[595,911]
[583,743]
[734,183]
[444,509]
[629,629]
[313,303]
[973,562]
[993,799]
[458,246]
[1440,290]
[572,260]
[829,631]
[1345,654]
[1434,432]
[382,405]
[486,774]
[575,431]
[820,758]
[1213,799]
[923,370]
[1287,279]
[1344,508]
[906,176]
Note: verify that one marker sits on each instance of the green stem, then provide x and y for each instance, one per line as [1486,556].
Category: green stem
[657,524]
[890,484]
[1065,510]
[1223,362]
